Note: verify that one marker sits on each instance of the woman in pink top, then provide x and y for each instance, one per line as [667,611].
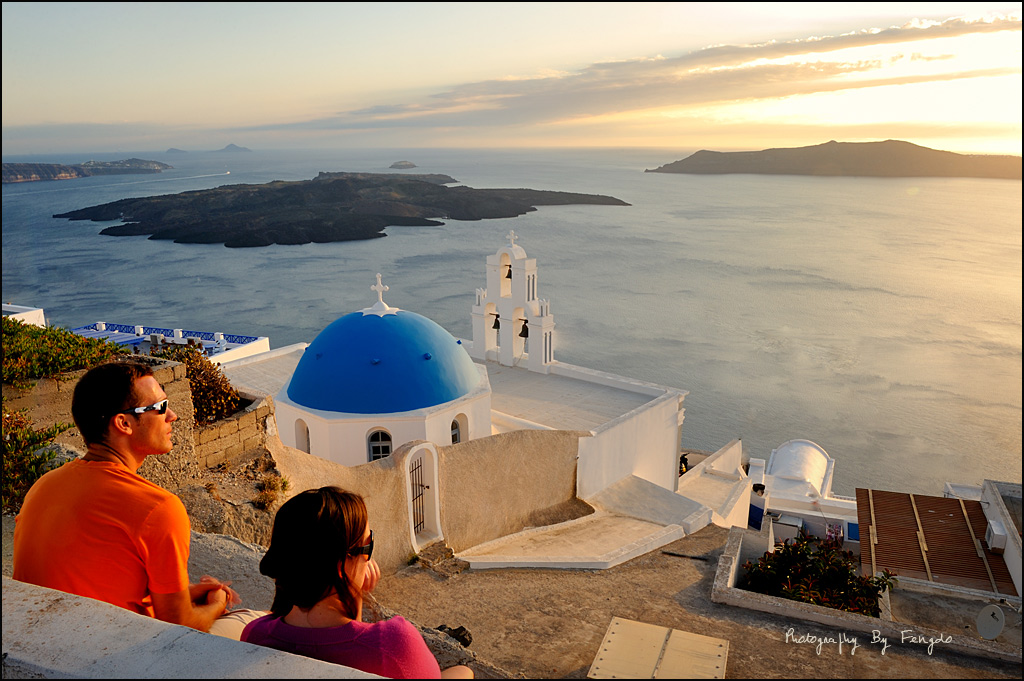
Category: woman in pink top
[320,560]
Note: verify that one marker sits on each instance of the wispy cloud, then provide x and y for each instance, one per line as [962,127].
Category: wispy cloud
[721,73]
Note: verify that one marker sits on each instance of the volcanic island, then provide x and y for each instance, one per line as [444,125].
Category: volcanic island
[331,207]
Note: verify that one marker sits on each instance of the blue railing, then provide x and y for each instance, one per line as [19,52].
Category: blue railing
[204,335]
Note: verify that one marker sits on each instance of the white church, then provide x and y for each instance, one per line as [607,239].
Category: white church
[380,377]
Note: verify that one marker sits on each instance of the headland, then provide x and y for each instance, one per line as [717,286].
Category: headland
[35,172]
[891,158]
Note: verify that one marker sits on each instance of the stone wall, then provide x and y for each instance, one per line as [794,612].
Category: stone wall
[49,402]
[237,436]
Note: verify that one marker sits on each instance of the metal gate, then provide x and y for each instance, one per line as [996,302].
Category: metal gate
[418,488]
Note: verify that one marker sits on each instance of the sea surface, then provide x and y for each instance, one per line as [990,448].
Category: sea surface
[880,318]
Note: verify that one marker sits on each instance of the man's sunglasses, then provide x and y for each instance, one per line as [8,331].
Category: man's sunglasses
[366,550]
[159,407]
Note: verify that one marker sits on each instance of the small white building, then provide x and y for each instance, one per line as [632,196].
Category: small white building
[795,489]
[378,378]
[27,315]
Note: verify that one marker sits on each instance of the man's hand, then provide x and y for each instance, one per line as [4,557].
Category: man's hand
[196,606]
[200,592]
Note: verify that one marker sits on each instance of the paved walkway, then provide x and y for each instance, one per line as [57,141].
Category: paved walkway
[596,541]
[632,517]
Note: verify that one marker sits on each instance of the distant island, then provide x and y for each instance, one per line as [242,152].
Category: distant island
[402,165]
[892,158]
[233,148]
[330,207]
[175,150]
[36,172]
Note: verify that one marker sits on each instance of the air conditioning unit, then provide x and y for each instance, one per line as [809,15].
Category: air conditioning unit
[995,536]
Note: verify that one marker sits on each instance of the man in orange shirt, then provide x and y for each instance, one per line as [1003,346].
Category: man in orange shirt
[95,528]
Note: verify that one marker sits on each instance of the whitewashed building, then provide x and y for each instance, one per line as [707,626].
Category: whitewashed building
[381,377]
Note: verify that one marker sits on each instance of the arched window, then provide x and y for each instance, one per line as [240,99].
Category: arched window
[456,432]
[379,444]
[302,436]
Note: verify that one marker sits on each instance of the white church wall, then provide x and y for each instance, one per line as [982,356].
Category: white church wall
[477,412]
[342,438]
[644,443]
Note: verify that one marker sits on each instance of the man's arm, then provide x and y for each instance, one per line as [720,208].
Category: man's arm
[196,606]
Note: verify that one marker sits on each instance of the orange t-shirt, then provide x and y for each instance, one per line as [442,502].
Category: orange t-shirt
[96,529]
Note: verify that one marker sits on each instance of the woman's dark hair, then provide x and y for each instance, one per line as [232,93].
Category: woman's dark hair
[101,393]
[313,532]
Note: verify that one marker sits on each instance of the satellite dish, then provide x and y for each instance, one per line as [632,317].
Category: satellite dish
[991,622]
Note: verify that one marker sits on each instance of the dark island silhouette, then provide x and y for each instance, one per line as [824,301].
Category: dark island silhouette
[891,158]
[36,172]
[330,207]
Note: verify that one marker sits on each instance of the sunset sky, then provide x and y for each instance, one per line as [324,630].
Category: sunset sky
[97,77]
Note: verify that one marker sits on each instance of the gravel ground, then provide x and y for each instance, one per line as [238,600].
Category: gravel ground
[549,623]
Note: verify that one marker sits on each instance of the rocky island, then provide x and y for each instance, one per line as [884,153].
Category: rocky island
[330,207]
[891,158]
[232,149]
[402,165]
[35,172]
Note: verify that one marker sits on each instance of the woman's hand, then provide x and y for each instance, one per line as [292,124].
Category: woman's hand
[372,576]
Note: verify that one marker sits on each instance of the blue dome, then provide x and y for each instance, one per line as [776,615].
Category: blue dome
[382,364]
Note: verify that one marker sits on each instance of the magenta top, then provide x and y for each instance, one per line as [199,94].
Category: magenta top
[393,648]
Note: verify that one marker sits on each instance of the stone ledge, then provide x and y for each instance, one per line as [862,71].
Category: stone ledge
[51,634]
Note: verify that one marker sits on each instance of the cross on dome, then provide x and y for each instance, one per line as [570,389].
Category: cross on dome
[380,308]
[511,236]
[380,289]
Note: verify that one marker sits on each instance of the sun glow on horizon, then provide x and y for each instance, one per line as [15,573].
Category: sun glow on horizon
[952,84]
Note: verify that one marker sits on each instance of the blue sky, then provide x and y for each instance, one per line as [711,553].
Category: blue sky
[147,76]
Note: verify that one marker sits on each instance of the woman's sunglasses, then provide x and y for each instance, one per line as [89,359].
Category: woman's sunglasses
[366,550]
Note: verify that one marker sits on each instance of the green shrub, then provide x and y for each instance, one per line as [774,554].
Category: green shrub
[212,393]
[819,572]
[22,464]
[31,352]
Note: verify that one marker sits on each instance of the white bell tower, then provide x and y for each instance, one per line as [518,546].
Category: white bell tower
[511,325]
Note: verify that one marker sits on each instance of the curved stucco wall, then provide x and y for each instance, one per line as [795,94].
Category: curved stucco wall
[498,485]
[381,484]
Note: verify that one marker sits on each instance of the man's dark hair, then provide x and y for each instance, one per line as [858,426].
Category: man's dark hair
[103,392]
[313,532]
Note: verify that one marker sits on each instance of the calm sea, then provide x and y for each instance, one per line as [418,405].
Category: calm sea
[880,318]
